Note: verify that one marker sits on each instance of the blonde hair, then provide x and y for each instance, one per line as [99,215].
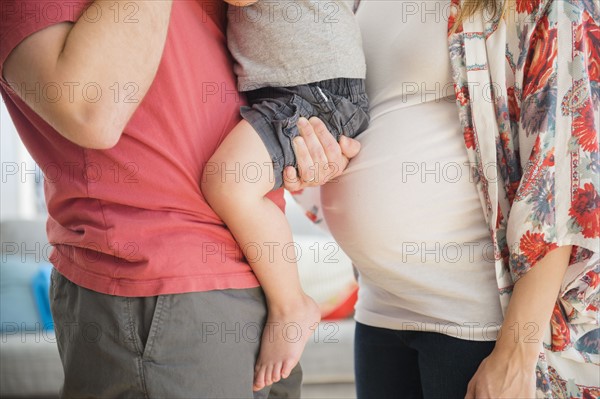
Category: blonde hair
[468,8]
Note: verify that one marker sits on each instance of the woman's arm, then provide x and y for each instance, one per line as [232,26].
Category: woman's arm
[509,371]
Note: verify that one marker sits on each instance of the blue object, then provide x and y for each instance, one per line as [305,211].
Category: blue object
[41,291]
[17,305]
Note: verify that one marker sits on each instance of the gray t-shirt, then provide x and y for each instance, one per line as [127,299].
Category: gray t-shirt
[280,43]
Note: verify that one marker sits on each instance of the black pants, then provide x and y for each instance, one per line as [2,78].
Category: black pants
[414,364]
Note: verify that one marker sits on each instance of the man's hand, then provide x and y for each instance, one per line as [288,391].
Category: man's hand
[320,157]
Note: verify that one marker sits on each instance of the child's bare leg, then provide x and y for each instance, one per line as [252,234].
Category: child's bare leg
[239,199]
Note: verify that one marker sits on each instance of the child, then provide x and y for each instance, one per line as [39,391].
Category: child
[293,59]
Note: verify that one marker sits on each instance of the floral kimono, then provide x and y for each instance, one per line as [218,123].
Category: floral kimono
[528,91]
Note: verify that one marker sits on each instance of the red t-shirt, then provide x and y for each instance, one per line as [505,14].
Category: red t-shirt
[132,220]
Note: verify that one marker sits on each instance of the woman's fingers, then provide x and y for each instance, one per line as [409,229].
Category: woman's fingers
[313,132]
[330,147]
[319,156]
[470,390]
[292,181]
[337,154]
[332,161]
[350,147]
[499,377]
[305,149]
[474,382]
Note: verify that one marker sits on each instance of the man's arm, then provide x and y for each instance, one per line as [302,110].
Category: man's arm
[119,52]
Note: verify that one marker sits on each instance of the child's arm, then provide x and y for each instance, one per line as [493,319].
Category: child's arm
[240,3]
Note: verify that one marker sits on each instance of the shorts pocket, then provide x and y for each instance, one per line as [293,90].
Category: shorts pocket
[145,319]
[358,123]
[352,118]
[288,114]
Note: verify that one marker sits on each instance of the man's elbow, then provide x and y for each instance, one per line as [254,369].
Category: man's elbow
[97,140]
[90,130]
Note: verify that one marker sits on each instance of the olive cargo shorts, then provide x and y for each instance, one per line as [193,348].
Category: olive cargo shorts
[195,345]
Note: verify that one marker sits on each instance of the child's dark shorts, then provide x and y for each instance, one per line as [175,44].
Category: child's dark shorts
[342,104]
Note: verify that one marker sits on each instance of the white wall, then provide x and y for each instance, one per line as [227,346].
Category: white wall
[17,184]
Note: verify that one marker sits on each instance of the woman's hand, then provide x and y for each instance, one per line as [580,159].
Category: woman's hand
[503,376]
[509,371]
[320,157]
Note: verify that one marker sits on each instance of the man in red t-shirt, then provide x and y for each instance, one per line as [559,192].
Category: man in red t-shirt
[121,103]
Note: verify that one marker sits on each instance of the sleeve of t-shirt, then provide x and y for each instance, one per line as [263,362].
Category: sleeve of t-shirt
[21,18]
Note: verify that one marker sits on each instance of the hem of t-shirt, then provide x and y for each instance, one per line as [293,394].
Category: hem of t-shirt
[154,287]
[488,332]
[248,83]
[15,36]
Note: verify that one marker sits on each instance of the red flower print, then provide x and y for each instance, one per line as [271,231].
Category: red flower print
[548,159]
[469,137]
[561,337]
[584,129]
[499,217]
[534,247]
[513,187]
[454,10]
[590,393]
[587,41]
[585,209]
[592,278]
[527,6]
[513,106]
[539,67]
[505,139]
[462,94]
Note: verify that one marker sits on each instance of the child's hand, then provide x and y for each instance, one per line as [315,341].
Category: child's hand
[320,158]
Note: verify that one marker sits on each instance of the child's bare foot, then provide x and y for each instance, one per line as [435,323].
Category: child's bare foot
[283,340]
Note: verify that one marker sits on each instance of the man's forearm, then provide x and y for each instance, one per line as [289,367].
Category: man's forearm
[107,60]
[531,305]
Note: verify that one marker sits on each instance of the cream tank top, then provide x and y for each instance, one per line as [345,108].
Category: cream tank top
[406,210]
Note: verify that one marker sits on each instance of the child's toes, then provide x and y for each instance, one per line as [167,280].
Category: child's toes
[259,378]
[268,375]
[277,372]
[286,368]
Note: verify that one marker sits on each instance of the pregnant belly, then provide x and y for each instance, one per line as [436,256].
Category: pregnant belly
[408,198]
